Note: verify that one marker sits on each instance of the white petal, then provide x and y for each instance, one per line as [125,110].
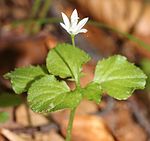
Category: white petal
[64,26]
[82,23]
[74,19]
[74,16]
[66,20]
[83,31]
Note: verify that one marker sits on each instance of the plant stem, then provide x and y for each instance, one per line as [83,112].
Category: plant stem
[45,8]
[69,129]
[42,14]
[72,114]
[35,8]
[73,38]
[77,80]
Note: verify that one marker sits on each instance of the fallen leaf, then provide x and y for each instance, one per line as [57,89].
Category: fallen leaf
[89,128]
[50,136]
[122,125]
[25,117]
[10,135]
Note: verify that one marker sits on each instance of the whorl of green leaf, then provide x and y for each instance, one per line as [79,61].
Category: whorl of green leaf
[114,76]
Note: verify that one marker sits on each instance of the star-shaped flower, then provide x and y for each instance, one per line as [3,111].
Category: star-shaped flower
[72,26]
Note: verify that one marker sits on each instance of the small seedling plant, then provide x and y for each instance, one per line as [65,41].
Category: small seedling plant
[46,93]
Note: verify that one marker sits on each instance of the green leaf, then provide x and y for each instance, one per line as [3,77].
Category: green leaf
[118,77]
[9,99]
[66,60]
[48,94]
[93,92]
[21,78]
[3,117]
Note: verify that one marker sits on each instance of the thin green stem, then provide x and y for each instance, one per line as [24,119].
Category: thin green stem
[34,11]
[45,9]
[35,8]
[77,80]
[70,124]
[72,114]
[42,14]
[73,39]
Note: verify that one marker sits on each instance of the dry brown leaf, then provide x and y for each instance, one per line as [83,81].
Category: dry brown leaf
[121,14]
[10,135]
[88,71]
[142,27]
[50,136]
[38,119]
[88,74]
[23,114]
[135,51]
[10,9]
[2,138]
[121,123]
[26,137]
[85,107]
[89,128]
[103,42]
[23,51]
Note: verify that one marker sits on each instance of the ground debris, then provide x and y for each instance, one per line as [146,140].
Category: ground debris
[122,124]
[26,117]
[37,136]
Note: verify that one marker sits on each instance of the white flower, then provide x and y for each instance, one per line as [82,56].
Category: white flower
[72,26]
